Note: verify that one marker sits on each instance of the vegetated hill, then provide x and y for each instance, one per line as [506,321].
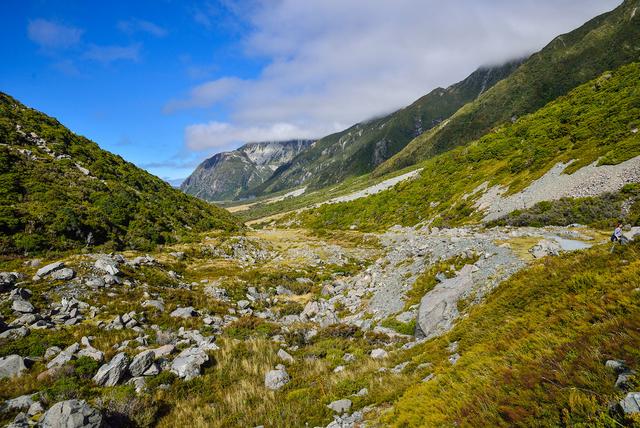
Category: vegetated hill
[604,43]
[598,121]
[364,146]
[59,190]
[227,175]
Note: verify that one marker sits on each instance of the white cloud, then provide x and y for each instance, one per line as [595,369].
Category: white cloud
[108,54]
[132,26]
[51,35]
[333,63]
[223,135]
[207,94]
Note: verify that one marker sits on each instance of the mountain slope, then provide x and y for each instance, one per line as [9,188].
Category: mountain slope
[59,190]
[362,147]
[227,175]
[604,43]
[596,122]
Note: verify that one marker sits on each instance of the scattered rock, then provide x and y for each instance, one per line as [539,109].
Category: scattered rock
[72,414]
[107,265]
[379,354]
[64,274]
[46,270]
[340,406]
[187,312]
[22,306]
[188,363]
[276,379]
[285,356]
[141,362]
[11,366]
[631,403]
[113,372]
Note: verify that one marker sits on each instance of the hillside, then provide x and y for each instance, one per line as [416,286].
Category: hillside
[364,146]
[229,174]
[604,43]
[60,191]
[596,122]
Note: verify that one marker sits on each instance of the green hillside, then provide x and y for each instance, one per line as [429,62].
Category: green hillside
[364,146]
[598,120]
[59,191]
[604,43]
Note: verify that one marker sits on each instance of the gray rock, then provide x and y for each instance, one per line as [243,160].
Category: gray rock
[187,312]
[276,379]
[95,282]
[51,352]
[46,270]
[177,254]
[545,248]
[379,354]
[22,306]
[438,308]
[189,362]
[285,356]
[141,362]
[158,304]
[340,406]
[617,366]
[92,353]
[20,421]
[624,380]
[35,409]
[631,403]
[64,274]
[72,414]
[64,356]
[15,333]
[7,280]
[19,403]
[113,372]
[11,366]
[244,304]
[107,265]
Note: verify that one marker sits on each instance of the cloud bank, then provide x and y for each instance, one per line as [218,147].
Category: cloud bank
[332,63]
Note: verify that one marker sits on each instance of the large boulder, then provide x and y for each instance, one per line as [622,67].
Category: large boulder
[631,403]
[439,307]
[71,414]
[11,366]
[141,362]
[22,306]
[188,363]
[276,379]
[112,372]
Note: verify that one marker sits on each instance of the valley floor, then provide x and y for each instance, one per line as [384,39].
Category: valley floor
[289,327]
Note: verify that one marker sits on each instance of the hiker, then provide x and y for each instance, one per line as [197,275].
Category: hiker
[617,236]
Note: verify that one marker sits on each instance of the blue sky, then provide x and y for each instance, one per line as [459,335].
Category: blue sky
[167,83]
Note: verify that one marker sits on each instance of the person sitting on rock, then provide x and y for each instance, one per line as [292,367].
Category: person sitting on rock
[618,236]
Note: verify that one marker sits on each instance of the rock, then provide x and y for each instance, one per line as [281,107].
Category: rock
[7,280]
[107,265]
[35,409]
[20,421]
[187,312]
[15,333]
[22,306]
[64,274]
[624,380]
[139,383]
[177,254]
[379,354]
[95,282]
[617,366]
[164,351]
[454,358]
[11,366]
[51,352]
[348,357]
[152,370]
[188,363]
[631,403]
[64,356]
[340,406]
[92,353]
[438,308]
[276,379]
[46,270]
[545,248]
[19,403]
[158,304]
[244,304]
[141,362]
[362,392]
[71,414]
[285,356]
[283,291]
[113,372]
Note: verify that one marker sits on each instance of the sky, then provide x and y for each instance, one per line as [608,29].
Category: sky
[168,83]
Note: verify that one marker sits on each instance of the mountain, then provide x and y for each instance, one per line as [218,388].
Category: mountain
[227,175]
[604,43]
[364,146]
[59,191]
[554,148]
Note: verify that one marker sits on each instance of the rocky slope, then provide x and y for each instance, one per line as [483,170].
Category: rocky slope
[230,174]
[604,43]
[59,191]
[364,146]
